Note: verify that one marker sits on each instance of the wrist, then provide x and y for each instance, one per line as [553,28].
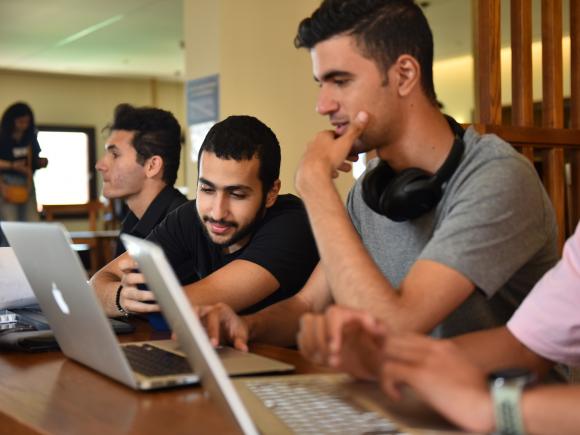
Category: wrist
[120,310]
[309,176]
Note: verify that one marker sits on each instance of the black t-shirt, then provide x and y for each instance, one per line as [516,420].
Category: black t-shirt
[11,151]
[282,244]
[165,202]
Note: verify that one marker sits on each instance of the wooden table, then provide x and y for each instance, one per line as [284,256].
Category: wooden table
[45,393]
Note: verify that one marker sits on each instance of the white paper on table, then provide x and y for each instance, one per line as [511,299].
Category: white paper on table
[15,291]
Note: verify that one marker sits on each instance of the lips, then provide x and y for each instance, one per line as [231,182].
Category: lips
[340,127]
[219,229]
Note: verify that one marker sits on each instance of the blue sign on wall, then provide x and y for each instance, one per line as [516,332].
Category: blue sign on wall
[203,100]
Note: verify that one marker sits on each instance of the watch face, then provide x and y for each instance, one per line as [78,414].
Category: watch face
[519,375]
[510,373]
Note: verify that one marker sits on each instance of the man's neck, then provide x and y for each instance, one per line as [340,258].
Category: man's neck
[140,202]
[425,141]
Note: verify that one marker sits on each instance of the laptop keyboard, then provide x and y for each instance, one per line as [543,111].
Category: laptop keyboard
[153,361]
[318,407]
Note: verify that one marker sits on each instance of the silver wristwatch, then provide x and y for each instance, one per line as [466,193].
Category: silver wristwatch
[506,389]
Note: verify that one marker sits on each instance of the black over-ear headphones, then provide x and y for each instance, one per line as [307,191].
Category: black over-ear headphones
[412,192]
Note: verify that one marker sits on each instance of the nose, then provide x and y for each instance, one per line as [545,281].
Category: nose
[100,165]
[326,103]
[219,209]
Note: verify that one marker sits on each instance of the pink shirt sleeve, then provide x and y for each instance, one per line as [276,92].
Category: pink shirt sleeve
[548,320]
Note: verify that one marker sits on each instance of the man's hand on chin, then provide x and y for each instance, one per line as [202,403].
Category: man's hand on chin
[327,154]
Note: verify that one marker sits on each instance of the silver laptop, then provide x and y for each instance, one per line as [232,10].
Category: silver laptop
[82,329]
[309,404]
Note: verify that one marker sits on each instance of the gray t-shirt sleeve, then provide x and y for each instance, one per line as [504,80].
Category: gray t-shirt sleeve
[350,209]
[489,231]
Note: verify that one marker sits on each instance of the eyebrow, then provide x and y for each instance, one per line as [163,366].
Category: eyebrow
[332,74]
[111,146]
[231,188]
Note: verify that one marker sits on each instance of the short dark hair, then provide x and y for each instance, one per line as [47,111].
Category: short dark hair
[156,133]
[383,30]
[241,137]
[17,110]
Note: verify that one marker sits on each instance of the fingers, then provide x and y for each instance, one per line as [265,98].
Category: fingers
[338,317]
[132,279]
[138,301]
[128,265]
[313,339]
[241,343]
[222,323]
[356,127]
[320,336]
[393,376]
[212,326]
[345,167]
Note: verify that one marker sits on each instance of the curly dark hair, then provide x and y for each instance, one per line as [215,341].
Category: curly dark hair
[242,137]
[157,133]
[383,30]
[17,110]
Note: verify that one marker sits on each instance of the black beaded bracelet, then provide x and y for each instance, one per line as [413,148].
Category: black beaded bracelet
[122,310]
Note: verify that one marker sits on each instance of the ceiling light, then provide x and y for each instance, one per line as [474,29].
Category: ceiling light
[89,30]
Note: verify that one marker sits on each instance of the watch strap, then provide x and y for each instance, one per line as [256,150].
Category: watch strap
[508,416]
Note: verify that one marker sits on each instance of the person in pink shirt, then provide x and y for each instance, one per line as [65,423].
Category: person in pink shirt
[548,321]
[464,378]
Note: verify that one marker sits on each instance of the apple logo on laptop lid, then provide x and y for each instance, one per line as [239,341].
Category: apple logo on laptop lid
[59,298]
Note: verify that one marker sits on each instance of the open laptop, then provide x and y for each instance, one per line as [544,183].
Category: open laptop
[82,330]
[289,404]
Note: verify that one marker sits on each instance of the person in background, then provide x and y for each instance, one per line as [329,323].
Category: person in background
[19,158]
[140,164]
[239,242]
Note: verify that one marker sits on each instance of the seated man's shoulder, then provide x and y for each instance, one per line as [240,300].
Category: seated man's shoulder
[490,147]
[489,155]
[288,203]
[182,212]
[178,199]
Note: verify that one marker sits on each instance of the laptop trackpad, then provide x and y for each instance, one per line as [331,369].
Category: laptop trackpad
[235,361]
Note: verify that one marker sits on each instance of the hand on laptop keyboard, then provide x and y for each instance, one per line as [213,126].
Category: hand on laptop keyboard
[224,326]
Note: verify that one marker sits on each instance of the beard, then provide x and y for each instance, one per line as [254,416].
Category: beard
[241,233]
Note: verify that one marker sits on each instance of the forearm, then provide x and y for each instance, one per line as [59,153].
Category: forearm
[354,279]
[240,284]
[6,164]
[279,323]
[551,410]
[508,351]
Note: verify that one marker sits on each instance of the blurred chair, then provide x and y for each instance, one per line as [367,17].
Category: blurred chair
[93,246]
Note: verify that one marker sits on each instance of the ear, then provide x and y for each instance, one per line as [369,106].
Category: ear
[408,74]
[154,167]
[273,193]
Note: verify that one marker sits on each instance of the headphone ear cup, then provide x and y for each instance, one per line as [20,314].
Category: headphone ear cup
[411,193]
[374,184]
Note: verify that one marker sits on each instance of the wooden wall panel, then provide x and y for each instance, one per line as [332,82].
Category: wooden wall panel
[486,18]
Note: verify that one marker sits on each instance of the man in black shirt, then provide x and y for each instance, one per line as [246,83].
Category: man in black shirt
[240,242]
[140,166]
